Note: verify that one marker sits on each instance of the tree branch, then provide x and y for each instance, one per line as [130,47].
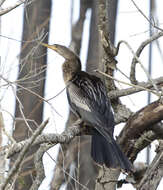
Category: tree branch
[8,9]
[138,61]
[1,2]
[143,115]
[138,52]
[154,173]
[64,137]
[20,158]
[143,141]
[139,122]
[128,91]
[141,12]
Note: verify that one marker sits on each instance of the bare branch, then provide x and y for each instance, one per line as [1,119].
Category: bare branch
[64,137]
[136,88]
[141,12]
[143,141]
[4,130]
[140,122]
[138,52]
[8,9]
[20,158]
[138,60]
[154,173]
[1,2]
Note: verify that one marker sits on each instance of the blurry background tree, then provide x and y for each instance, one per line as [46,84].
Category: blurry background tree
[31,78]
[75,168]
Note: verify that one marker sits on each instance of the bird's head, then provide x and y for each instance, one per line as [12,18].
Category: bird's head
[72,62]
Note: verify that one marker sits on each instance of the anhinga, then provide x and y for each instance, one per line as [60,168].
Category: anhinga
[88,99]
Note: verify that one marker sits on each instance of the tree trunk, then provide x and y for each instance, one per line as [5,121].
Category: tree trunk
[31,82]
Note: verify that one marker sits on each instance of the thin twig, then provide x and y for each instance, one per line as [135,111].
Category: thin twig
[1,2]
[65,172]
[8,9]
[30,91]
[4,130]
[137,88]
[141,12]
[133,85]
[138,60]
[139,51]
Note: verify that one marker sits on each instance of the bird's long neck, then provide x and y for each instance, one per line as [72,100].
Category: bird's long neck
[70,68]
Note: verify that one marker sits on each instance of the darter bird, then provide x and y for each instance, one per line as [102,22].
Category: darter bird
[88,99]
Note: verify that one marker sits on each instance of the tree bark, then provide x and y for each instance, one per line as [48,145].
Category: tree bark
[154,174]
[31,82]
[2,157]
[106,28]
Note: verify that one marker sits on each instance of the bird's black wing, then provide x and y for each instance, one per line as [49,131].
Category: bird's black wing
[88,99]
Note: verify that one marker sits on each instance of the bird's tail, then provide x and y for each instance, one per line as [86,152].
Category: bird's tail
[109,153]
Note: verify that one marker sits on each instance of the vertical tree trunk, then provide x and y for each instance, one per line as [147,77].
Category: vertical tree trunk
[112,14]
[32,72]
[93,49]
[107,19]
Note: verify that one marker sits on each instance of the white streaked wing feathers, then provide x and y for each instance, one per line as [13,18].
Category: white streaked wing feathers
[74,95]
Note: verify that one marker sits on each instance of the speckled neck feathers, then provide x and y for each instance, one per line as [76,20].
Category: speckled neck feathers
[70,68]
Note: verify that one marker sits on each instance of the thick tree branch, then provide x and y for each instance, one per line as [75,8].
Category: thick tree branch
[140,122]
[143,141]
[64,137]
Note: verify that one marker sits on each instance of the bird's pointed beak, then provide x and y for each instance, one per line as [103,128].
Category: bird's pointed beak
[61,50]
[49,46]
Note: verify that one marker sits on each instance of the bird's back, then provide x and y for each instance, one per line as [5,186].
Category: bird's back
[88,99]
